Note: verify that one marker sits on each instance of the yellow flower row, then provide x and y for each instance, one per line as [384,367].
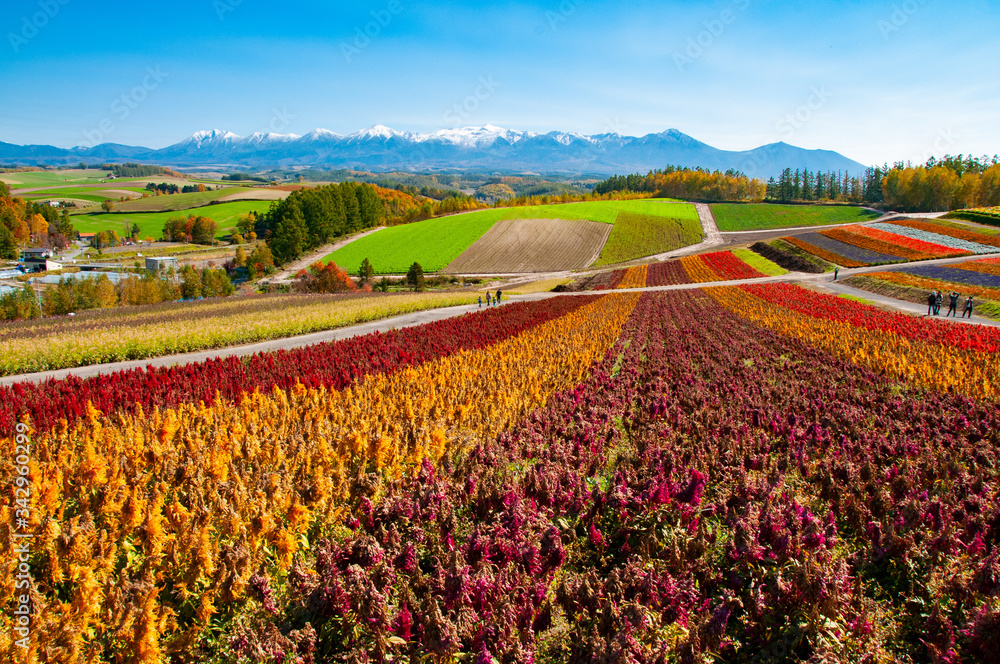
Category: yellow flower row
[198,498]
[930,365]
[635,277]
[231,326]
[696,269]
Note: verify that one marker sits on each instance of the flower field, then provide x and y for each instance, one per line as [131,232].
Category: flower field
[742,474]
[134,333]
[894,242]
[701,268]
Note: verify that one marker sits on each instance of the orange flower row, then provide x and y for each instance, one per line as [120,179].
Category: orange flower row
[836,259]
[851,235]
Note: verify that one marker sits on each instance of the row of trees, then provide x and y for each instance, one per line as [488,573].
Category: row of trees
[951,183]
[72,295]
[687,183]
[24,224]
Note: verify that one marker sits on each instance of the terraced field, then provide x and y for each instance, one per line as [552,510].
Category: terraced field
[533,245]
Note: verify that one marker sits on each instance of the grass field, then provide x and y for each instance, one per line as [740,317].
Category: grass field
[763,216]
[173,202]
[433,243]
[437,242]
[151,223]
[635,235]
[759,263]
[46,178]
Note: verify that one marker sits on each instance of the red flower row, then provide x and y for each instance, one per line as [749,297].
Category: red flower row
[331,365]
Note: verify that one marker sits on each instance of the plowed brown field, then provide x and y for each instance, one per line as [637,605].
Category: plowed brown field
[533,245]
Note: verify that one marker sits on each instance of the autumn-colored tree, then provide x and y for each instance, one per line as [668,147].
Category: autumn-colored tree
[107,205]
[241,257]
[328,278]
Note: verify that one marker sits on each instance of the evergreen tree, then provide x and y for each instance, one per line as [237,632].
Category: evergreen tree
[415,277]
[366,271]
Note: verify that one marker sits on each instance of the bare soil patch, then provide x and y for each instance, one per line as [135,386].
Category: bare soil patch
[534,245]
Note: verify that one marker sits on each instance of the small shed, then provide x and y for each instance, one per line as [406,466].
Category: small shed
[157,263]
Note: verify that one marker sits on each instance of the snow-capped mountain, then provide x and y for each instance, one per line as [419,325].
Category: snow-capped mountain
[487,148]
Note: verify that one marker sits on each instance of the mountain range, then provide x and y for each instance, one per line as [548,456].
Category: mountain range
[483,149]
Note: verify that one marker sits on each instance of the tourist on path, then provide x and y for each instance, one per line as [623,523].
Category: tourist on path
[931,299]
[938,298]
[836,271]
[968,308]
[499,296]
[952,303]
[480,301]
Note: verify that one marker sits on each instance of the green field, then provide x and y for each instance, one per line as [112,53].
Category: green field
[636,235]
[437,242]
[83,193]
[759,263]
[173,202]
[151,223]
[764,216]
[46,178]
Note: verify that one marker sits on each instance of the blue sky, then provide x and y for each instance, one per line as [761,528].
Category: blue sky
[876,81]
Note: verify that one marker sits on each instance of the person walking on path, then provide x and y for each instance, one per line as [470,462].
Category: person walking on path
[480,301]
[499,296]
[931,299]
[836,271]
[938,298]
[952,303]
[968,308]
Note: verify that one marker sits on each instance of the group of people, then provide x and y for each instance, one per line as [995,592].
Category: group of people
[935,299]
[491,299]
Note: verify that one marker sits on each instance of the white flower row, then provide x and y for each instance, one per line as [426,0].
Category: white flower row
[926,236]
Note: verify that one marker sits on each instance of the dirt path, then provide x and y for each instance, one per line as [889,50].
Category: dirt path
[288,273]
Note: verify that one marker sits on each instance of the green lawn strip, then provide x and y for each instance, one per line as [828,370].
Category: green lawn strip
[433,243]
[978,228]
[759,263]
[44,178]
[151,223]
[762,216]
[635,235]
[437,242]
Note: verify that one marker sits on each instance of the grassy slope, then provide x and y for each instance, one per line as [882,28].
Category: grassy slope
[175,201]
[761,216]
[45,178]
[433,243]
[437,242]
[151,223]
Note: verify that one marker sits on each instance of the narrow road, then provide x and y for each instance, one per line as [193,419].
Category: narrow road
[288,273]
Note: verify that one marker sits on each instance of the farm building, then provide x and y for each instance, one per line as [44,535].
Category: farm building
[35,253]
[157,263]
[40,265]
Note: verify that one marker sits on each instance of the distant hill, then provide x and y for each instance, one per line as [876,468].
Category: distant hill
[488,148]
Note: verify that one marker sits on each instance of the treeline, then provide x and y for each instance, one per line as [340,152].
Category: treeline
[75,295]
[952,183]
[241,177]
[687,183]
[310,218]
[133,170]
[167,188]
[24,224]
